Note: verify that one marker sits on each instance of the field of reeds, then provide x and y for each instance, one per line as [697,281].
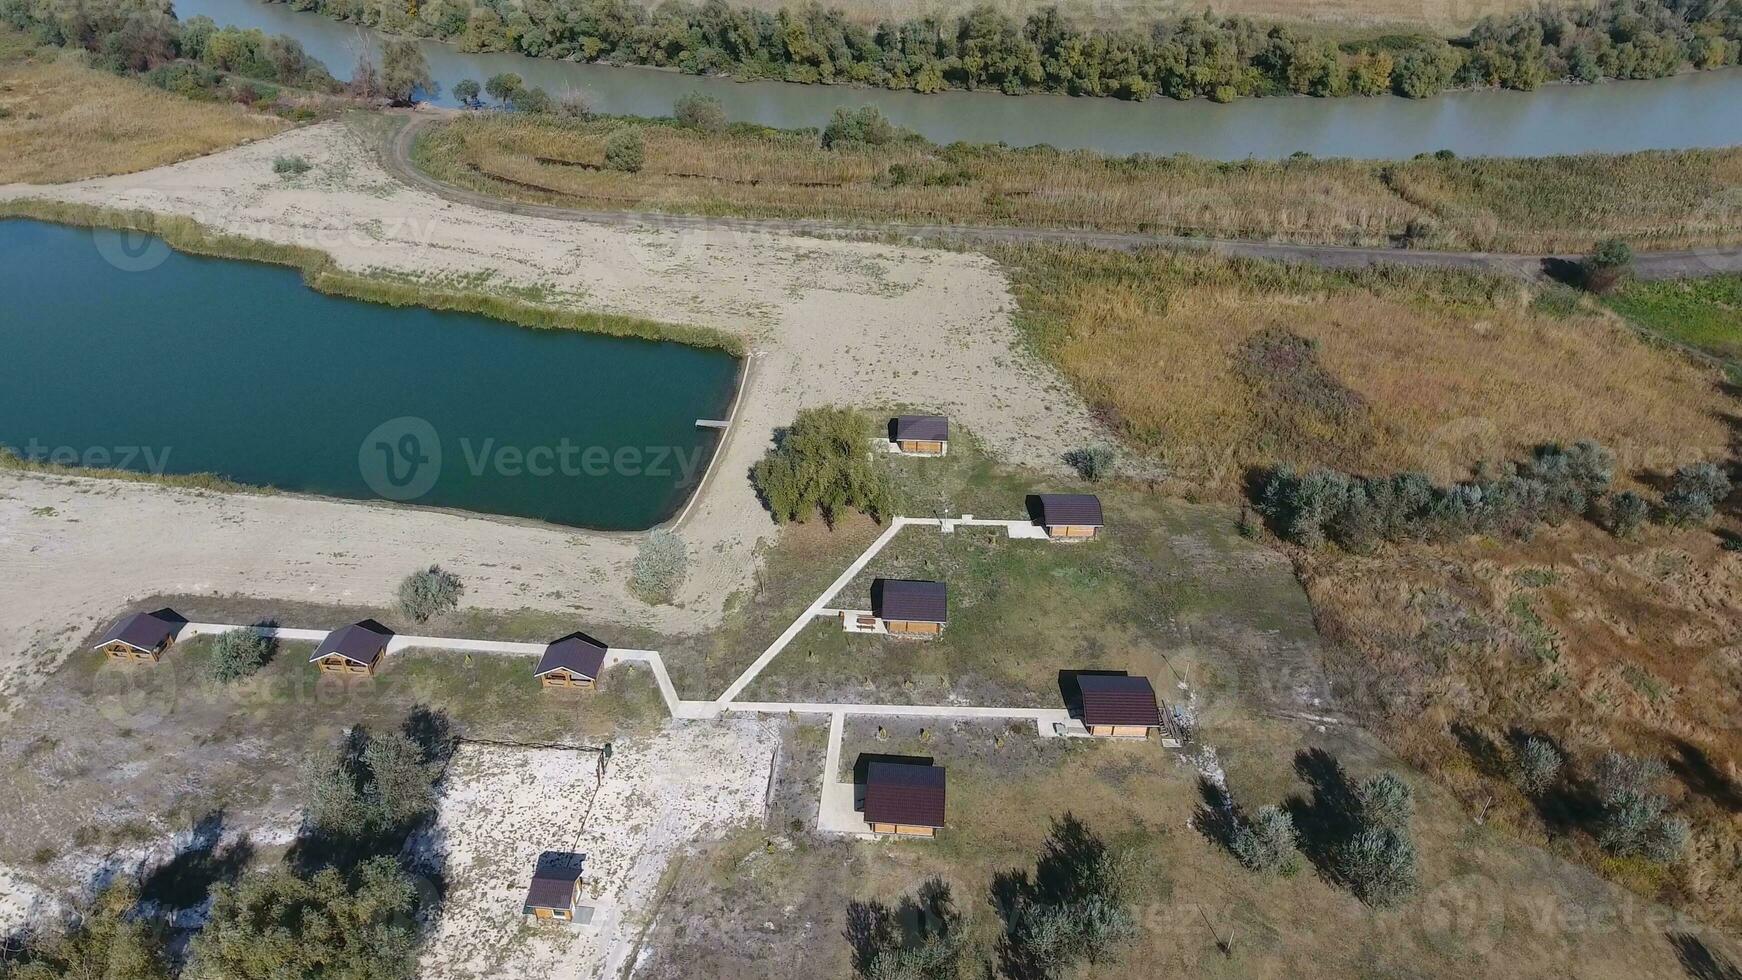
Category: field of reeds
[61,120]
[1216,365]
[1556,204]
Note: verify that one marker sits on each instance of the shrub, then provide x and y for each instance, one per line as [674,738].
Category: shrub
[864,126]
[659,567]
[290,166]
[429,592]
[1379,864]
[1386,801]
[1092,463]
[1536,765]
[278,923]
[404,72]
[697,111]
[237,654]
[1606,265]
[466,92]
[504,87]
[1267,843]
[574,106]
[824,463]
[1693,493]
[1074,909]
[531,101]
[1627,514]
[1633,821]
[624,151]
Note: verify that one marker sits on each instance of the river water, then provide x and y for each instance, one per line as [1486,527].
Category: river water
[121,353]
[1694,110]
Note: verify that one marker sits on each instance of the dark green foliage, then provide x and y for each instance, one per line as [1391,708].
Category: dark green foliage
[1694,492]
[1075,909]
[864,126]
[279,923]
[1092,463]
[404,72]
[1267,842]
[290,166]
[924,938]
[824,463]
[106,942]
[1359,513]
[237,654]
[1379,864]
[532,101]
[694,110]
[466,91]
[624,151]
[366,797]
[429,592]
[1193,55]
[503,87]
[1628,512]
[1604,268]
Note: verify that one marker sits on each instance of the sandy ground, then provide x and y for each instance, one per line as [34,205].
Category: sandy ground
[505,807]
[830,322]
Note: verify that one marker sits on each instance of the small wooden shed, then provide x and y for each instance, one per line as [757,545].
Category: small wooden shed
[1067,516]
[556,887]
[906,799]
[922,435]
[908,607]
[141,637]
[571,662]
[353,649]
[1119,705]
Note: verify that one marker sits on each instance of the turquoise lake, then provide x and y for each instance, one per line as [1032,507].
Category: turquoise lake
[122,353]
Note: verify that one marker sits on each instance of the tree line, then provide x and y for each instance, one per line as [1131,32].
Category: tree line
[1221,58]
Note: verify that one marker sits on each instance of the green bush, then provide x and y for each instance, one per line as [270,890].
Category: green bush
[1379,864]
[824,463]
[531,101]
[864,126]
[429,592]
[1092,463]
[1628,512]
[503,87]
[624,151]
[466,92]
[278,923]
[659,567]
[1536,766]
[1267,843]
[1633,821]
[290,166]
[1606,266]
[1694,492]
[237,654]
[694,110]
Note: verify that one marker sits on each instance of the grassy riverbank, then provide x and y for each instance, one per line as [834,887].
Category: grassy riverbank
[321,273]
[1706,313]
[1656,200]
[62,120]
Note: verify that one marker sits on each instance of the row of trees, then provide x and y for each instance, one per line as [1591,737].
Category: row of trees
[1555,485]
[1201,55]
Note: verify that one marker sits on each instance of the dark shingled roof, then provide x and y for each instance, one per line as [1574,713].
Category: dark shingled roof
[142,631]
[577,653]
[905,599]
[1076,509]
[553,881]
[1118,699]
[904,793]
[359,642]
[923,428]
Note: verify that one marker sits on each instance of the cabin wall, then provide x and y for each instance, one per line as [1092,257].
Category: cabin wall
[339,665]
[906,627]
[1071,531]
[566,681]
[903,830]
[930,447]
[121,651]
[1120,731]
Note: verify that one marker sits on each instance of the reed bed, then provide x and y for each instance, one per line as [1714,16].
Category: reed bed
[1555,204]
[61,120]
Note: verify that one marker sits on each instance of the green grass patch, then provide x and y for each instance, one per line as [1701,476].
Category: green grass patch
[1706,313]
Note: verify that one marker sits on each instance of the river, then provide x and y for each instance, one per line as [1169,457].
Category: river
[1701,109]
[121,353]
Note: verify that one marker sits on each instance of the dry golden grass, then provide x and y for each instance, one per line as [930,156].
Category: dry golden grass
[1554,204]
[1634,651]
[1656,200]
[61,121]
[788,175]
[1445,369]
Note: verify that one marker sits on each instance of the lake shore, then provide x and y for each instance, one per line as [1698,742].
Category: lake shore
[824,322]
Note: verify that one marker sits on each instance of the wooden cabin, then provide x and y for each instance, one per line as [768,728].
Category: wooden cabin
[1119,705]
[571,662]
[1067,516]
[352,650]
[141,637]
[556,887]
[907,607]
[921,435]
[905,799]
